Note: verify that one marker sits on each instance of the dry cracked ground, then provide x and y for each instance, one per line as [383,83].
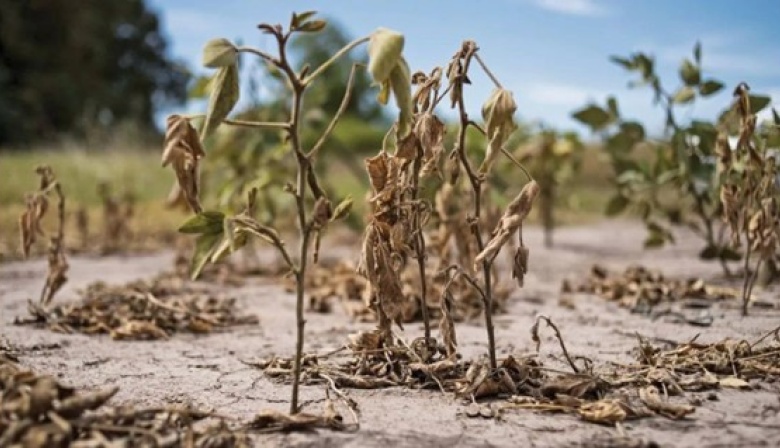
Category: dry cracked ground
[207,371]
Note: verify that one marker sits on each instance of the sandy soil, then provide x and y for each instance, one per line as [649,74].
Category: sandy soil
[206,371]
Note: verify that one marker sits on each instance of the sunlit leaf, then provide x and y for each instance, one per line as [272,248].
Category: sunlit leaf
[313,26]
[205,222]
[342,210]
[684,95]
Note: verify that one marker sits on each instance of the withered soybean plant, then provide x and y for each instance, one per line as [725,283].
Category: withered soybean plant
[30,228]
[749,192]
[220,234]
[395,228]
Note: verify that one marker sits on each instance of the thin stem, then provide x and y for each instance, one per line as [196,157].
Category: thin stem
[419,244]
[257,52]
[246,123]
[487,71]
[476,186]
[304,228]
[746,282]
[257,124]
[325,65]
[342,108]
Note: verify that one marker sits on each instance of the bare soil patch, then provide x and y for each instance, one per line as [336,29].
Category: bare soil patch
[207,370]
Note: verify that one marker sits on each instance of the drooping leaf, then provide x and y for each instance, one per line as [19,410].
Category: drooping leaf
[384,51]
[342,210]
[204,222]
[224,95]
[205,246]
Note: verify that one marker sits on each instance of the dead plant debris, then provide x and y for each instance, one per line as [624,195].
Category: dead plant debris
[661,382]
[38,411]
[139,310]
[641,290]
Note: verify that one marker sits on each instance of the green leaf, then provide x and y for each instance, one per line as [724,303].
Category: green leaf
[205,222]
[684,95]
[633,129]
[224,95]
[623,62]
[218,53]
[775,117]
[612,105]
[204,247]
[593,116]
[697,53]
[298,19]
[710,87]
[342,210]
[759,102]
[313,26]
[654,240]
[690,73]
[616,205]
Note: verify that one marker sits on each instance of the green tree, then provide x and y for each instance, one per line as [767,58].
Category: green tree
[66,68]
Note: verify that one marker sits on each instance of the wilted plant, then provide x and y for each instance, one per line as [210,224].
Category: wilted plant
[551,158]
[750,192]
[220,234]
[30,229]
[685,163]
[398,214]
[117,213]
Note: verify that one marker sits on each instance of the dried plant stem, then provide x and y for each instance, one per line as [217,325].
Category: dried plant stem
[535,336]
[487,71]
[476,186]
[419,245]
[746,280]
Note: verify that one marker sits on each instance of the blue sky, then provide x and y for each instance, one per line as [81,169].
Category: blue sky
[553,54]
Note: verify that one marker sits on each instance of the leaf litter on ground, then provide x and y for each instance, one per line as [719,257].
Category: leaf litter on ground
[37,410]
[143,309]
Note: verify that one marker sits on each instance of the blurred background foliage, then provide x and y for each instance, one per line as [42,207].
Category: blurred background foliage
[83,89]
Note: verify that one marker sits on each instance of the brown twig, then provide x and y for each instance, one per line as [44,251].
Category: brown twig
[535,337]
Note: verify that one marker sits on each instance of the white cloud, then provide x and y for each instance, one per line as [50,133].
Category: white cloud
[588,8]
